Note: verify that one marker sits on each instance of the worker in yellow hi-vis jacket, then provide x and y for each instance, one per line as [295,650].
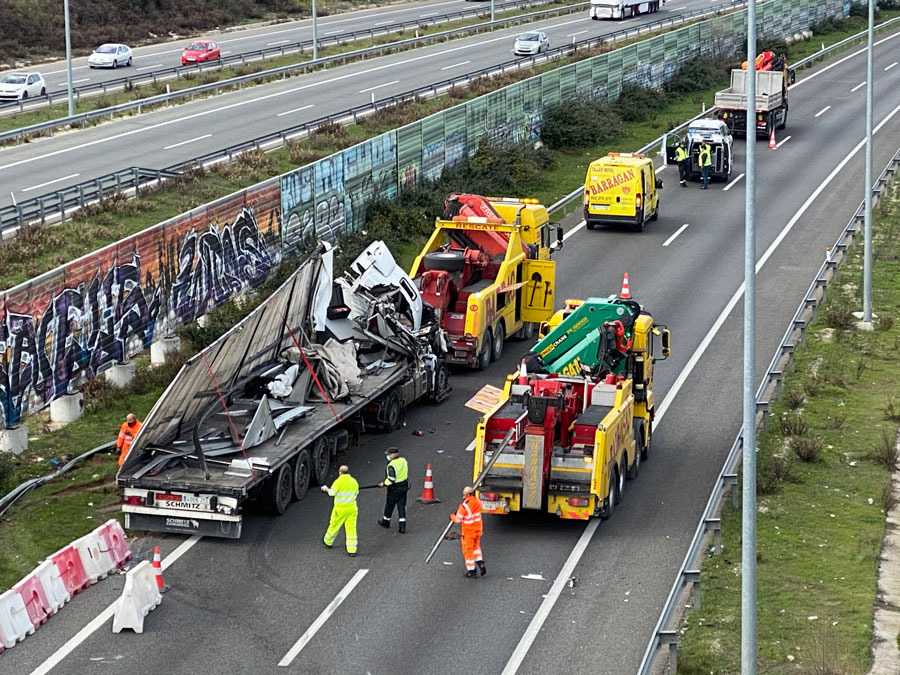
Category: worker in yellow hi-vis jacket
[345,490]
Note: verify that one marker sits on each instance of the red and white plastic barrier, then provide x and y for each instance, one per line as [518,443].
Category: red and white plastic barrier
[36,603]
[52,583]
[114,537]
[139,597]
[94,556]
[71,569]
[15,625]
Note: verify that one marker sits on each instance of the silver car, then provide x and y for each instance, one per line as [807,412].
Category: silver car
[21,86]
[533,42]
[110,56]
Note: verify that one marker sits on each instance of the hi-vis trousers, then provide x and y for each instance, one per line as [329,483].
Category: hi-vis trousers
[343,516]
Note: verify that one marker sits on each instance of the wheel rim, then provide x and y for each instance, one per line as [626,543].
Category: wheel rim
[285,487]
[301,476]
[320,457]
[621,483]
[498,343]
[393,412]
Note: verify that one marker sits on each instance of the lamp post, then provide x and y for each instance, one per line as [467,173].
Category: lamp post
[867,223]
[69,59]
[315,32]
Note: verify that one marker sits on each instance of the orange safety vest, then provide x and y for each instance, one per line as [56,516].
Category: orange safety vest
[469,514]
[126,436]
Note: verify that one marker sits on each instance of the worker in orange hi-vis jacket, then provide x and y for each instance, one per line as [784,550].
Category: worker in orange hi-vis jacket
[469,516]
[127,432]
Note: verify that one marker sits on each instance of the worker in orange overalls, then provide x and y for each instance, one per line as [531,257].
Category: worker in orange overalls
[469,516]
[127,432]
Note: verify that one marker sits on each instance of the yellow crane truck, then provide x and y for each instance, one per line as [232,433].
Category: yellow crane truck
[487,274]
[578,416]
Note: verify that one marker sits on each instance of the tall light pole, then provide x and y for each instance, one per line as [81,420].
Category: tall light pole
[315,32]
[748,503]
[69,59]
[492,11]
[867,224]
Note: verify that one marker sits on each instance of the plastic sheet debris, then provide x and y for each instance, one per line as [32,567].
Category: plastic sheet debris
[536,577]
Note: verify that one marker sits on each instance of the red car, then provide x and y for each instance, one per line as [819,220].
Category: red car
[200,51]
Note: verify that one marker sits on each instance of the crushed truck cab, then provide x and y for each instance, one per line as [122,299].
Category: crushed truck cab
[579,414]
[487,274]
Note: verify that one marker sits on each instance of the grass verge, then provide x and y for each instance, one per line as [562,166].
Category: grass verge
[823,472]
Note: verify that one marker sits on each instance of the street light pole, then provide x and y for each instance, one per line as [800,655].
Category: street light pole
[748,503]
[492,11]
[315,32]
[867,224]
[69,59]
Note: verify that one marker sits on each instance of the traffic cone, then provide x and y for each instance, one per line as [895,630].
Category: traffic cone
[428,490]
[157,566]
[523,373]
[626,293]
[772,145]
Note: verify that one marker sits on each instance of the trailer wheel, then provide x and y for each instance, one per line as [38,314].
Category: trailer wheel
[301,475]
[321,461]
[484,358]
[392,410]
[277,491]
[445,261]
[499,339]
[635,467]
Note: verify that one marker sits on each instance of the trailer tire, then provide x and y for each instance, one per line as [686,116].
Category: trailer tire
[302,473]
[321,461]
[499,340]
[445,261]
[392,412]
[277,490]
[483,360]
[635,467]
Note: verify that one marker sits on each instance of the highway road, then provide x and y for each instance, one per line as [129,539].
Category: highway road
[247,605]
[251,38]
[173,135]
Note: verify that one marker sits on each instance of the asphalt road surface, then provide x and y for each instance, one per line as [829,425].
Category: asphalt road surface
[245,606]
[180,133]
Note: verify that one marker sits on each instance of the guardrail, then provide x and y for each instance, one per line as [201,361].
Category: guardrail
[52,204]
[769,389]
[285,71]
[262,54]
[843,43]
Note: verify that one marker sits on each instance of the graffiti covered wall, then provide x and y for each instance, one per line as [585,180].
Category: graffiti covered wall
[71,324]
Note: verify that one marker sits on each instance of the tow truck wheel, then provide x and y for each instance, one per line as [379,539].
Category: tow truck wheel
[301,475]
[445,261]
[645,449]
[321,461]
[484,358]
[278,490]
[610,498]
[499,339]
[623,470]
[635,468]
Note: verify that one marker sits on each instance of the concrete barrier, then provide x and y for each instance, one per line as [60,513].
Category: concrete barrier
[139,597]
[67,408]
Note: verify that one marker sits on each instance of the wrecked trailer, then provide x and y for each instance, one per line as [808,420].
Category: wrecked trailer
[262,411]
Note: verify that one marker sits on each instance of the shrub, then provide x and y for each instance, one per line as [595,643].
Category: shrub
[694,76]
[839,317]
[793,425]
[888,498]
[574,124]
[794,399]
[636,103]
[884,322]
[885,451]
[891,411]
[806,448]
[773,470]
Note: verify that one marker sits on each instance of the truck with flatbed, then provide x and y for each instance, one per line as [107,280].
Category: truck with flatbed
[773,78]
[260,413]
[567,430]
[487,274]
[622,9]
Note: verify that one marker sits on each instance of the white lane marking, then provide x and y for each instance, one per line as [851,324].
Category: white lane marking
[382,23]
[155,65]
[518,655]
[277,42]
[104,616]
[890,66]
[83,79]
[50,182]
[575,229]
[859,86]
[677,232]
[224,53]
[422,16]
[456,65]
[537,622]
[837,63]
[265,97]
[823,110]
[782,141]
[729,186]
[322,618]
[333,32]
[190,140]
[577,33]
[378,86]
[288,112]
[662,168]
[707,340]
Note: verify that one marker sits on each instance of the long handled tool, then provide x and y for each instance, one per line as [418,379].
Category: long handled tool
[481,477]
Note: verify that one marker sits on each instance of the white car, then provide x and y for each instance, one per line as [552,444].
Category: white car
[533,42]
[22,85]
[110,56]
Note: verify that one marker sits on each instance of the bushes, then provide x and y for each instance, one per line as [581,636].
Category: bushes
[578,123]
[694,76]
[636,103]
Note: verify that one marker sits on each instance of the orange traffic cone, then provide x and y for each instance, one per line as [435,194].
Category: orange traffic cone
[523,373]
[428,490]
[772,145]
[626,293]
[157,566]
